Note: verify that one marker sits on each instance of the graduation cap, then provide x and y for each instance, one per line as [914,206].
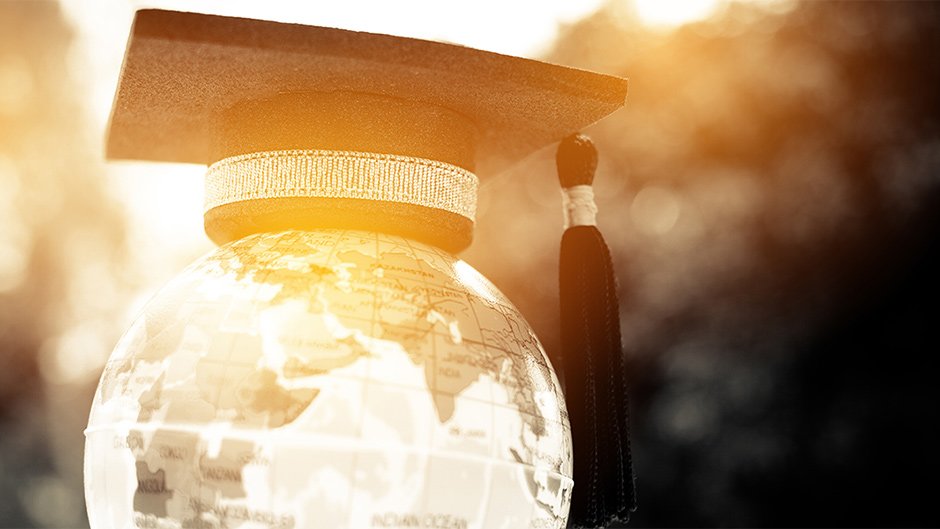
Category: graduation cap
[309,127]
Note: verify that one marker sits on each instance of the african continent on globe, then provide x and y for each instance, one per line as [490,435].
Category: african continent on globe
[326,380]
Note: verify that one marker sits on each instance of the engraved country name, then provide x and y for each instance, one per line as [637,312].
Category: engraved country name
[244,514]
[421,521]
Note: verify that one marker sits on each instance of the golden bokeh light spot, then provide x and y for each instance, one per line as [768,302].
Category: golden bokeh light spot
[673,13]
[655,210]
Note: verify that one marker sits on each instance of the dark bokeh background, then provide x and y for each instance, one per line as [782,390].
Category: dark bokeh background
[775,225]
[770,194]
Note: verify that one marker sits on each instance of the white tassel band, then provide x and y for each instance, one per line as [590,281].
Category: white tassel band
[578,205]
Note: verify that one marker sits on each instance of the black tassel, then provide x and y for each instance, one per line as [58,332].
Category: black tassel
[592,364]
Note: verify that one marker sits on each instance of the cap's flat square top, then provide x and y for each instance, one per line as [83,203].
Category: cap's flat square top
[182,69]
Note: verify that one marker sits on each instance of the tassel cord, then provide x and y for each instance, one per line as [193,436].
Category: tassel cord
[591,342]
[570,270]
[615,354]
[617,386]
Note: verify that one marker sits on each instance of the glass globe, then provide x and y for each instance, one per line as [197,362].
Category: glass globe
[328,379]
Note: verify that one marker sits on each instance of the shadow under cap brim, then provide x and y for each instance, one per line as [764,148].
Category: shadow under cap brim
[182,71]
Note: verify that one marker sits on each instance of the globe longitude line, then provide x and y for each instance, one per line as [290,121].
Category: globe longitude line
[432,390]
[492,447]
[354,466]
[422,391]
[273,468]
[256,285]
[374,328]
[512,357]
[507,313]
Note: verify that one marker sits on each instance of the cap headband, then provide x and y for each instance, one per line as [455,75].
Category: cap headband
[342,174]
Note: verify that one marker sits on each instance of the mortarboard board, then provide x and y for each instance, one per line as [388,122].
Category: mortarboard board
[198,88]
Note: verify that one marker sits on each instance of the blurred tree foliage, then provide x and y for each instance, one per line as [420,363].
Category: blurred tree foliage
[61,249]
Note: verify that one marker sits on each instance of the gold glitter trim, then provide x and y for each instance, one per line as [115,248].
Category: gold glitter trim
[342,174]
